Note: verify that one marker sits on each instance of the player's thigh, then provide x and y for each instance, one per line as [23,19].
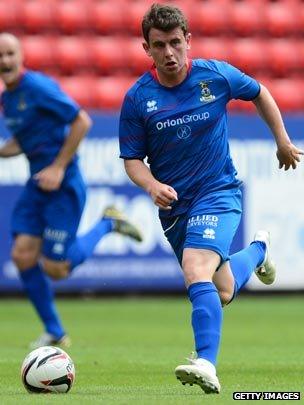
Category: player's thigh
[26,251]
[61,215]
[199,265]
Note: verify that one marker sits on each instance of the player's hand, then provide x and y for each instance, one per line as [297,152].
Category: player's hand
[288,156]
[163,195]
[50,178]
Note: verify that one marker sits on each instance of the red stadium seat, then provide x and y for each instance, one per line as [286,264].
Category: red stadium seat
[133,16]
[283,57]
[264,80]
[300,16]
[300,52]
[108,54]
[81,89]
[71,16]
[210,18]
[245,18]
[110,91]
[72,54]
[241,106]
[36,16]
[289,94]
[106,17]
[248,54]
[8,16]
[281,18]
[210,48]
[136,58]
[38,52]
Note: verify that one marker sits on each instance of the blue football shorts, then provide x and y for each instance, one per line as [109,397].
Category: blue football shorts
[210,223]
[53,216]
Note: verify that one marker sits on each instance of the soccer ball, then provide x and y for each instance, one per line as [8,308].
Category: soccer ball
[48,369]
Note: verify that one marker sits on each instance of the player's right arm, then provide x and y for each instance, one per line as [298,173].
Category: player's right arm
[10,148]
[161,194]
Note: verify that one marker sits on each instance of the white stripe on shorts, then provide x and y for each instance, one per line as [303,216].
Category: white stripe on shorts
[171,226]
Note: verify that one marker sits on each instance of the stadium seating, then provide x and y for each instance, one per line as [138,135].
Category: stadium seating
[249,55]
[245,18]
[80,89]
[281,18]
[71,54]
[98,42]
[8,16]
[210,18]
[110,91]
[107,54]
[135,56]
[133,16]
[39,52]
[210,48]
[240,105]
[106,17]
[283,57]
[71,16]
[36,16]
[289,94]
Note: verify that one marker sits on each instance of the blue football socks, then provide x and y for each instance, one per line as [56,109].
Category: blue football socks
[39,291]
[244,262]
[84,245]
[206,319]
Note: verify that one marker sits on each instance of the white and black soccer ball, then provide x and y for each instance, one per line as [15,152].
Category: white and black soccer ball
[48,369]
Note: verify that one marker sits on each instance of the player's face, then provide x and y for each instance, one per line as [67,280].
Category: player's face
[168,50]
[10,59]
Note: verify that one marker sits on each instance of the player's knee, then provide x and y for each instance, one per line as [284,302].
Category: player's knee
[194,273]
[24,258]
[55,270]
[225,297]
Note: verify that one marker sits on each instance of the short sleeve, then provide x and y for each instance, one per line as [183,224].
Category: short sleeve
[241,85]
[50,97]
[132,140]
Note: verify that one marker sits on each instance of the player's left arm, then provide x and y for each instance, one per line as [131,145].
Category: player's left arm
[50,178]
[287,153]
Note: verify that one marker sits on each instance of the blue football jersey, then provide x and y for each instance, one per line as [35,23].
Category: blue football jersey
[182,130]
[37,113]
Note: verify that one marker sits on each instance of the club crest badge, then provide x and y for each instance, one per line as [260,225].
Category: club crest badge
[206,95]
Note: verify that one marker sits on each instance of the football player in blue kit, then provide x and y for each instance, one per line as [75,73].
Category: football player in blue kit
[175,115]
[47,126]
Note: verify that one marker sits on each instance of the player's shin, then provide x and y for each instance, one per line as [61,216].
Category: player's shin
[244,262]
[206,319]
[84,245]
[39,291]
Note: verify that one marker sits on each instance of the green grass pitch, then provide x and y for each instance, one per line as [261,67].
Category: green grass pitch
[125,350]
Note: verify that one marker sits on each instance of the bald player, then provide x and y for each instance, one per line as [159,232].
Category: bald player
[48,126]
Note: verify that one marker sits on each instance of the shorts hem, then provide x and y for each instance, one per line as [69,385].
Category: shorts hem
[16,232]
[223,257]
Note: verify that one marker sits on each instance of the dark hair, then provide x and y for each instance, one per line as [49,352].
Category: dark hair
[164,18]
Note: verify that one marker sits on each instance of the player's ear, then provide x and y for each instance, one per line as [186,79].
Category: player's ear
[188,40]
[146,48]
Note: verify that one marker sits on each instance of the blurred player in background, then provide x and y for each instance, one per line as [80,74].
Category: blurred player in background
[47,126]
[175,115]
